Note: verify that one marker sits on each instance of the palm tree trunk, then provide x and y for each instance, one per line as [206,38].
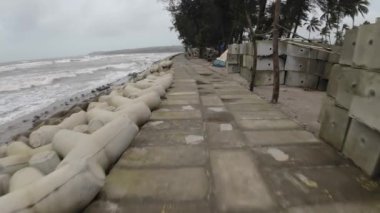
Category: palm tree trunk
[276,71]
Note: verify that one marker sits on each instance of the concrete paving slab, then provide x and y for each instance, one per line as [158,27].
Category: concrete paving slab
[231,91]
[260,115]
[182,97]
[267,124]
[343,207]
[148,138]
[223,135]
[318,185]
[165,207]
[243,101]
[165,156]
[299,156]
[283,137]
[179,102]
[249,107]
[211,100]
[192,126]
[169,115]
[183,184]
[238,183]
[217,114]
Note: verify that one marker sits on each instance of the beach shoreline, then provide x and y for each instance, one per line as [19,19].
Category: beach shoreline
[21,127]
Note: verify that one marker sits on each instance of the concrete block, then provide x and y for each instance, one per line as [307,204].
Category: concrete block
[232,59]
[265,78]
[323,54]
[238,188]
[250,49]
[267,63]
[265,48]
[347,83]
[366,104]
[327,70]
[246,73]
[300,64]
[233,68]
[363,147]
[243,48]
[334,58]
[349,46]
[332,87]
[302,51]
[334,124]
[300,79]
[233,49]
[367,47]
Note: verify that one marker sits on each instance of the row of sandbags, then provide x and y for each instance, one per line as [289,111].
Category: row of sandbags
[63,166]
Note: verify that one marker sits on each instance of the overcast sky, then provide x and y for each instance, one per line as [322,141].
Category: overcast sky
[50,28]
[31,29]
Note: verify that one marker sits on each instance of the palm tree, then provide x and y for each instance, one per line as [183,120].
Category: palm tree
[358,7]
[313,25]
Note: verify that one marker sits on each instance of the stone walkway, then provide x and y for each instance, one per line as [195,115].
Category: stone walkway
[215,147]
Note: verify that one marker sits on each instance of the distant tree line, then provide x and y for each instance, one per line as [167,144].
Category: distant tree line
[214,23]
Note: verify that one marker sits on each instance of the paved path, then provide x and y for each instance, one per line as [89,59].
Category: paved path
[215,147]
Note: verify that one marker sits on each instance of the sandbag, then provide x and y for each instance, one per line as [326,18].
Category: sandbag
[68,189]
[46,162]
[24,177]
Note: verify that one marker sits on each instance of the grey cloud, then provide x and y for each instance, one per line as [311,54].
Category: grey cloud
[50,28]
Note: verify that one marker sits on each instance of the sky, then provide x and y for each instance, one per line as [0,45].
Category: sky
[33,29]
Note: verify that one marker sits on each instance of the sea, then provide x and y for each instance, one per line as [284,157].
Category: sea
[27,87]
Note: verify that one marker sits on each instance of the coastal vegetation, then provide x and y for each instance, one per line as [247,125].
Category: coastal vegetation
[215,23]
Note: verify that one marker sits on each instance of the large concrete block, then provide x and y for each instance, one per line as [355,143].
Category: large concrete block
[265,48]
[367,47]
[233,49]
[311,66]
[365,106]
[233,68]
[363,147]
[246,73]
[243,48]
[347,83]
[302,51]
[348,47]
[301,79]
[232,58]
[334,124]
[266,63]
[327,70]
[265,78]
[332,87]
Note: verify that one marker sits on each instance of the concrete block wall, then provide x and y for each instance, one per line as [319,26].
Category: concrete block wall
[300,65]
[350,116]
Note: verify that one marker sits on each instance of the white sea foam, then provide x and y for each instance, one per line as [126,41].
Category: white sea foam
[25,90]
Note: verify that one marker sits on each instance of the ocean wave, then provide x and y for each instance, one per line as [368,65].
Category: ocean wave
[25,81]
[24,65]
